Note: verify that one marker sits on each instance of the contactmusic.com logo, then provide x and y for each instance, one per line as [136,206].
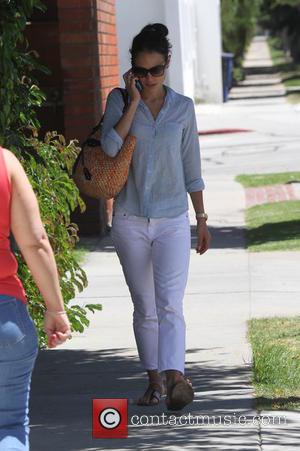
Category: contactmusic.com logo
[110,418]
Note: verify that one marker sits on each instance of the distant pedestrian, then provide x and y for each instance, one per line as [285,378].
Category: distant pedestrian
[150,226]
[19,214]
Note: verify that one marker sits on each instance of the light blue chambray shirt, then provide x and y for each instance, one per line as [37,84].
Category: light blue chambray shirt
[166,163]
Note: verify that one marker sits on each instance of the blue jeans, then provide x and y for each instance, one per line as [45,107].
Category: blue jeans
[18,352]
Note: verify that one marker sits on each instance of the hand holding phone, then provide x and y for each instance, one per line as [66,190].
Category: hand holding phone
[132,84]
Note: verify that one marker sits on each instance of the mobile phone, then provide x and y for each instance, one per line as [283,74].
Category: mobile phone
[138,84]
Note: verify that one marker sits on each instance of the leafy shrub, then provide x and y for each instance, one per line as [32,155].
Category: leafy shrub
[46,161]
[282,19]
[238,18]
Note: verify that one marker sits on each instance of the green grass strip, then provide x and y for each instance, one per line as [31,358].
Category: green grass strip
[275,343]
[292,82]
[252,180]
[273,226]
[289,71]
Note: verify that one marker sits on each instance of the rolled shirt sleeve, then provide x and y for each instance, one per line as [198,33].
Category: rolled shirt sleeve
[191,156]
[111,141]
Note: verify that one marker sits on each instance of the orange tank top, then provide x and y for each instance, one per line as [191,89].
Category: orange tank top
[10,284]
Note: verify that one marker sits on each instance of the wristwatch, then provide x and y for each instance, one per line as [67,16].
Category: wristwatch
[201,214]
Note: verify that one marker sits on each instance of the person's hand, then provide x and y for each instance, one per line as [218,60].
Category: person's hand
[133,91]
[57,328]
[203,237]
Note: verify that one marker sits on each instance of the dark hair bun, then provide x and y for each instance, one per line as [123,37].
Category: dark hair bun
[152,38]
[157,28]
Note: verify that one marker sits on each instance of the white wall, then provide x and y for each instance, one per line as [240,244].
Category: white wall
[175,77]
[209,47]
[188,46]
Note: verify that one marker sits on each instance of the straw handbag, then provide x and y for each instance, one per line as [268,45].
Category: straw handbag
[97,174]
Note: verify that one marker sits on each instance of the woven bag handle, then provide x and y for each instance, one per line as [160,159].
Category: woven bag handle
[124,93]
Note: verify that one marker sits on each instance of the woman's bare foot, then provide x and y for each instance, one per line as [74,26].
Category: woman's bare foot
[179,390]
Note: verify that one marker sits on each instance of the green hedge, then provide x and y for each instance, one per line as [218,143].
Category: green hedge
[282,19]
[47,161]
[238,18]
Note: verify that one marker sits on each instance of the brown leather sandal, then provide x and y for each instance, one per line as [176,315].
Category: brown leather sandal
[180,394]
[156,393]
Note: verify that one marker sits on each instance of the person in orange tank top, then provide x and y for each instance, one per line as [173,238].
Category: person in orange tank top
[20,215]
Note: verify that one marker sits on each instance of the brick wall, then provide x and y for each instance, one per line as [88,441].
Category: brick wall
[89,64]
[107,47]
[89,60]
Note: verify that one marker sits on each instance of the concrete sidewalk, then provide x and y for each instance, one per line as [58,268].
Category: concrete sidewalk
[103,361]
[261,80]
[226,287]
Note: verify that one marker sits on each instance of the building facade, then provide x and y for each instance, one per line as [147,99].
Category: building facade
[85,44]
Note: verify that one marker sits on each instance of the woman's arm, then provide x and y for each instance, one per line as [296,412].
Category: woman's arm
[116,124]
[194,182]
[203,234]
[191,157]
[197,201]
[31,237]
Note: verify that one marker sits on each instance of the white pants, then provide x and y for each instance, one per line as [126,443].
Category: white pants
[155,254]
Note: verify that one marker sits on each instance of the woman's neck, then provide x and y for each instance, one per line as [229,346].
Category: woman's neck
[151,95]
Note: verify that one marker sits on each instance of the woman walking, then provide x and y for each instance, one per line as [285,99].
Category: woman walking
[19,214]
[150,227]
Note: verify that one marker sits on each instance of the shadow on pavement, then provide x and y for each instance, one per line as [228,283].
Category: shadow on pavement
[221,238]
[64,382]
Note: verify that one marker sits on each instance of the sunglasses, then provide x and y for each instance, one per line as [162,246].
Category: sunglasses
[155,71]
